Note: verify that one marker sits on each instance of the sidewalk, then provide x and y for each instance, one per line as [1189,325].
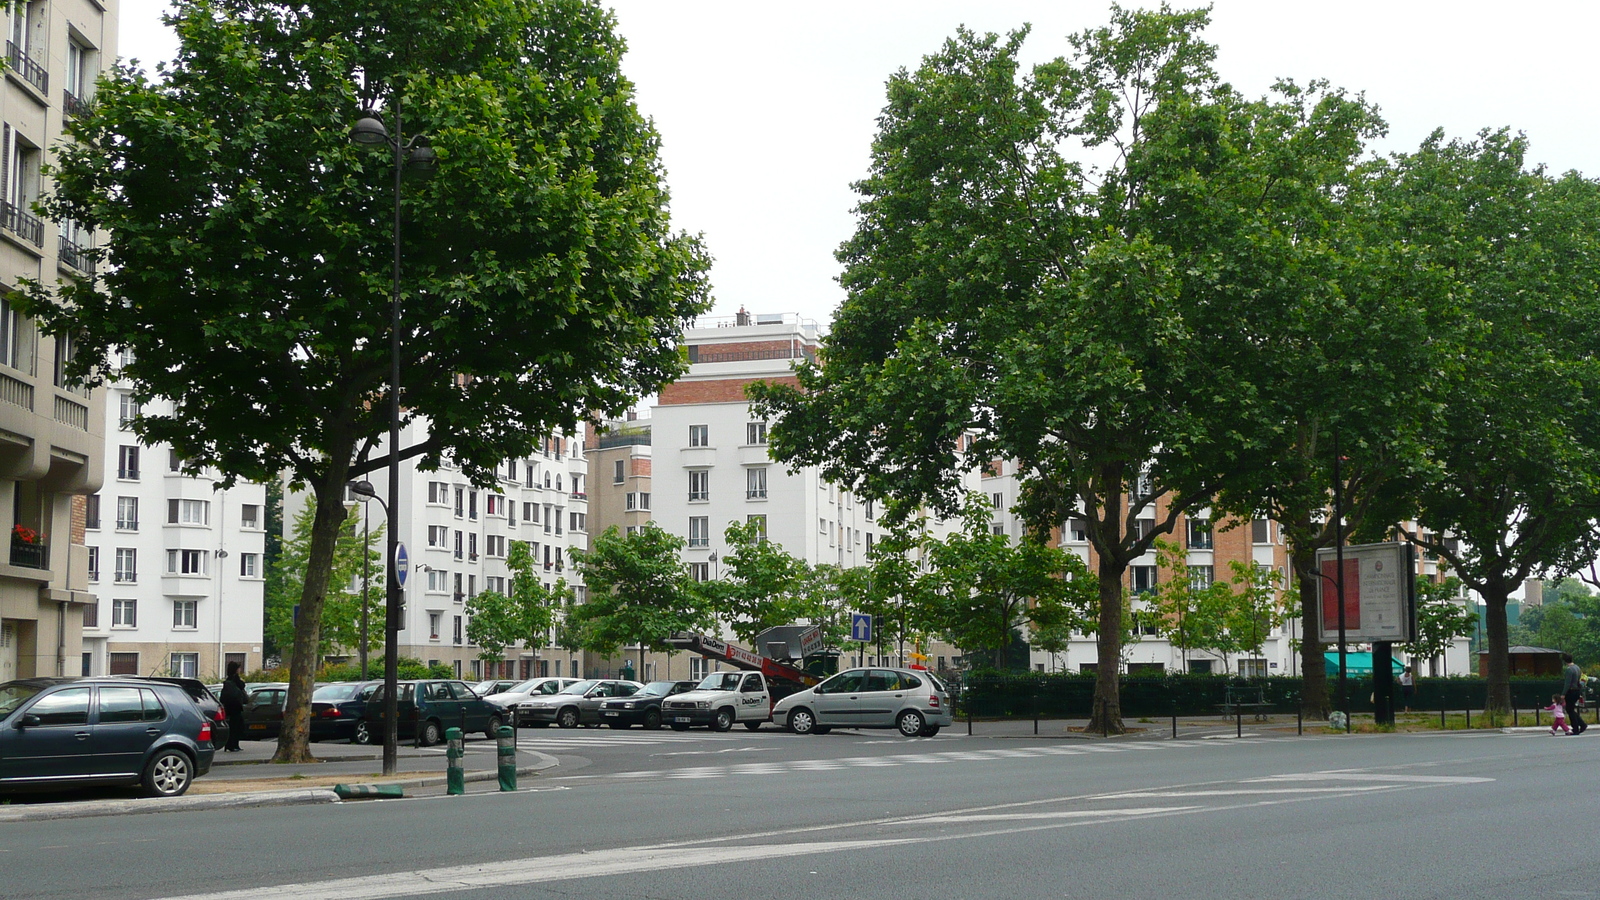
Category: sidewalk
[249,779]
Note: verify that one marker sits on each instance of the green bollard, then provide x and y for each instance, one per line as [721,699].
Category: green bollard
[455,778]
[506,750]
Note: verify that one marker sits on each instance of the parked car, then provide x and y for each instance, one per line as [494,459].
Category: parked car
[577,704]
[424,709]
[75,731]
[203,697]
[914,703]
[644,707]
[533,687]
[263,711]
[338,711]
[493,686]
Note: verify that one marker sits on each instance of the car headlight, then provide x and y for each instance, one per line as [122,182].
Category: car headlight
[627,705]
[702,704]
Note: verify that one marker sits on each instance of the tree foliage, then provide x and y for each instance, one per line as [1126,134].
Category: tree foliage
[341,615]
[639,592]
[248,263]
[1441,617]
[496,621]
[765,586]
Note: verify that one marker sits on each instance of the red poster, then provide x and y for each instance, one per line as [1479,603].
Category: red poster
[1330,596]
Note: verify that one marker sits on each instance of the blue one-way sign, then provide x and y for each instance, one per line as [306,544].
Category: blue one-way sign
[861,627]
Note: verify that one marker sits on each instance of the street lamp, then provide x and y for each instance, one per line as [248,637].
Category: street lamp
[365,491]
[370,131]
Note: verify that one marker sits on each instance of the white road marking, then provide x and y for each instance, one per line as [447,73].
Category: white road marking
[1036,816]
[1374,776]
[1237,792]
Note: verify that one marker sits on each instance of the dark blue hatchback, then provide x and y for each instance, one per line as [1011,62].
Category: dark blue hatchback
[59,732]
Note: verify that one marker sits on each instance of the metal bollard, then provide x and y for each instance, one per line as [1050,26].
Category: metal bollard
[1238,721]
[1174,726]
[455,778]
[506,750]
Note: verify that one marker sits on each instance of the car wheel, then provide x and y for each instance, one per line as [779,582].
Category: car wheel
[430,733]
[930,730]
[363,733]
[652,719]
[801,721]
[910,723]
[168,774]
[493,728]
[680,726]
[567,718]
[753,724]
[724,720]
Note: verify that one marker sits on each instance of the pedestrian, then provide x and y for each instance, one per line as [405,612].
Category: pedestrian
[1572,682]
[1558,714]
[233,704]
[1407,687]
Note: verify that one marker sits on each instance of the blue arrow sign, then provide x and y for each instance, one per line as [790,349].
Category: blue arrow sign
[402,564]
[861,627]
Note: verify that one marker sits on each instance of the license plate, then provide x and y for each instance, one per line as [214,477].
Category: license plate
[681,719]
[258,728]
[612,712]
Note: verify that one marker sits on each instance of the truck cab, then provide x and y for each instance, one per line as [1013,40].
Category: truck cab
[720,700]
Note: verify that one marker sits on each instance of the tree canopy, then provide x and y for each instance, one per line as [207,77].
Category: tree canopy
[247,267]
[638,592]
[525,613]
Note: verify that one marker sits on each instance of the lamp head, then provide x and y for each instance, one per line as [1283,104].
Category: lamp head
[369,130]
[421,161]
[362,488]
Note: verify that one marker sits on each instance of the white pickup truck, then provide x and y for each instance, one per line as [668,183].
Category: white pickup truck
[720,700]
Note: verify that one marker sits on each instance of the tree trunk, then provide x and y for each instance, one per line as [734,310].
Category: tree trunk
[1106,716]
[1498,676]
[294,737]
[1313,669]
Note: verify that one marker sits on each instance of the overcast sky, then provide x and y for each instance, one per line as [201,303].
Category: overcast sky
[767,111]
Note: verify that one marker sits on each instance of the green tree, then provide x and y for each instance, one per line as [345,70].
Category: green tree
[496,621]
[248,260]
[1255,606]
[1441,618]
[341,615]
[639,592]
[1192,617]
[1054,261]
[765,585]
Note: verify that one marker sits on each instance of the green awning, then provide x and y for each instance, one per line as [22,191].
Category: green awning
[1357,664]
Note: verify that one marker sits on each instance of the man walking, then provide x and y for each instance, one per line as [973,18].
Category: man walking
[1572,682]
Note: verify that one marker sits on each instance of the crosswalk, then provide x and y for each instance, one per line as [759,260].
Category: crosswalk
[588,738]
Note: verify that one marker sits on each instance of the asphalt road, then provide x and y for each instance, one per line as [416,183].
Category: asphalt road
[663,816]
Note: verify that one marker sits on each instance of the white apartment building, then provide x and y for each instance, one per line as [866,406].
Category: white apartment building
[175,563]
[51,443]
[458,538]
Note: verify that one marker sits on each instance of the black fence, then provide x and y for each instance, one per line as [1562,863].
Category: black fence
[1072,696]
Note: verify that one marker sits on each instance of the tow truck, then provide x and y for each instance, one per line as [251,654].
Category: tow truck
[724,698]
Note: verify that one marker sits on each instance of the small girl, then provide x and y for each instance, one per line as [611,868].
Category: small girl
[1558,715]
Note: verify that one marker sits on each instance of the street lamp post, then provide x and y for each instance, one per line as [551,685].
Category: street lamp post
[369,130]
[366,562]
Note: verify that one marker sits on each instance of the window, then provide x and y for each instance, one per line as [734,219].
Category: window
[472,505]
[755,433]
[461,501]
[438,582]
[460,552]
[632,501]
[250,516]
[438,493]
[998,501]
[94,563]
[1144,579]
[91,512]
[189,512]
[494,505]
[1142,527]
[580,521]
[1199,534]
[185,613]
[760,522]
[1253,668]
[699,484]
[186,562]
[558,518]
[127,513]
[433,625]
[755,486]
[249,565]
[455,632]
[21,172]
[1258,532]
[530,513]
[174,461]
[644,499]
[617,471]
[700,571]
[699,531]
[438,536]
[869,542]
[494,583]
[699,435]
[128,462]
[1200,577]
[127,409]
[124,614]
[127,570]
[459,594]
[511,514]
[494,545]
[1079,529]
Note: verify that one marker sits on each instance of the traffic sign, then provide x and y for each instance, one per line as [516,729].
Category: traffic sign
[861,627]
[402,564]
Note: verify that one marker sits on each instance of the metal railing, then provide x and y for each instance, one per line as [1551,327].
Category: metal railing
[72,105]
[75,256]
[23,65]
[21,222]
[30,556]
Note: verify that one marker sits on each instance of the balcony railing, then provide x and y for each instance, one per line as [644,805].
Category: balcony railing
[23,65]
[22,223]
[72,105]
[30,556]
[73,255]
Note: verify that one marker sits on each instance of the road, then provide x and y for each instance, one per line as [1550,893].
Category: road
[664,816]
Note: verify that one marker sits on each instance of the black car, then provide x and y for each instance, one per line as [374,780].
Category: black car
[426,708]
[58,732]
[336,711]
[644,707]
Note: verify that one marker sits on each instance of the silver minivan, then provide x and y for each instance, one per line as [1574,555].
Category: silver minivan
[914,702]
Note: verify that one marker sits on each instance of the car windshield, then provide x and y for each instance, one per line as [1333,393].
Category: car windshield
[335,691]
[525,687]
[720,681]
[656,689]
[485,688]
[14,693]
[580,687]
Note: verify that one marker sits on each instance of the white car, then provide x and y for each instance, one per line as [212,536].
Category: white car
[915,703]
[533,687]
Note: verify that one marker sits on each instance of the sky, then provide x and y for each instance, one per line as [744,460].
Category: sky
[767,111]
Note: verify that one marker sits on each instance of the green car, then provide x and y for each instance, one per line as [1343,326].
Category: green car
[426,708]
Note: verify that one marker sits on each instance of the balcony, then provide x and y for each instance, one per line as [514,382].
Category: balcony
[23,65]
[72,105]
[30,556]
[74,256]
[21,223]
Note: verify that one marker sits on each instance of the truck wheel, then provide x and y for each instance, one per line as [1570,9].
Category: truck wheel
[753,724]
[652,719]
[910,723]
[568,717]
[680,726]
[801,721]
[724,720]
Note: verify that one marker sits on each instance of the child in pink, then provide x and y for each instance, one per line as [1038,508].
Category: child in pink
[1558,715]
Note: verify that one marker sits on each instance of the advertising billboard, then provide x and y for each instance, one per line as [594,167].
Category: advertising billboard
[1380,602]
